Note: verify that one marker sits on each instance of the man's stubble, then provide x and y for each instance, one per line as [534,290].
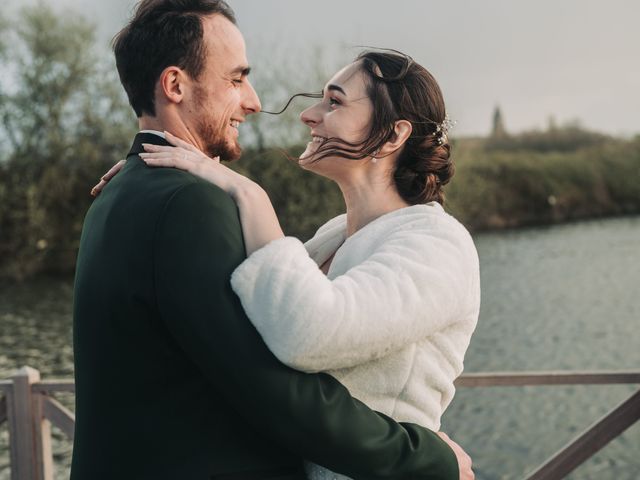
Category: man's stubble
[213,138]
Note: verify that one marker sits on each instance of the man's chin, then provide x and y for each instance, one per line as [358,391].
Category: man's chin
[232,154]
[226,152]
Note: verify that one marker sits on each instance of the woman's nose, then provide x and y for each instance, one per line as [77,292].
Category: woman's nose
[310,116]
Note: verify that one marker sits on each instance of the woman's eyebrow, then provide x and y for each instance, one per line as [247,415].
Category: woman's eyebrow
[337,88]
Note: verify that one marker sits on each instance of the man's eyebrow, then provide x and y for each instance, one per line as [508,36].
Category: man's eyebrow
[337,88]
[243,70]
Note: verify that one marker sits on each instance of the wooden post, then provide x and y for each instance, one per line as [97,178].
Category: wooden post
[26,430]
[44,455]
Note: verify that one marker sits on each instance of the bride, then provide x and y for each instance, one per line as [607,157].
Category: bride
[385,297]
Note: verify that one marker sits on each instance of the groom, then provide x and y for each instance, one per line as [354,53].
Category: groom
[172,380]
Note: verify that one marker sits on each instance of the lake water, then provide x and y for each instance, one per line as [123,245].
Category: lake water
[558,298]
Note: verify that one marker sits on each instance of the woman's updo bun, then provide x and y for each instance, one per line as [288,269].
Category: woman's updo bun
[401,89]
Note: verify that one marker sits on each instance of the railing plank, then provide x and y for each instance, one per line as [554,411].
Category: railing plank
[590,441]
[26,392]
[50,386]
[3,410]
[514,379]
[59,415]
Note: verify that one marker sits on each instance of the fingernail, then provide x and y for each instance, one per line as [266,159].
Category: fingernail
[143,155]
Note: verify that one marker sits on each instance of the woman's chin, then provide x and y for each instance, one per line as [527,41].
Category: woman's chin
[306,157]
[305,164]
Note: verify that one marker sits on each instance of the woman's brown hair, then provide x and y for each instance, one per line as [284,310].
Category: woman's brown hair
[401,89]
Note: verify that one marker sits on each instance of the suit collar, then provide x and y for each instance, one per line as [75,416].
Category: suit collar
[141,138]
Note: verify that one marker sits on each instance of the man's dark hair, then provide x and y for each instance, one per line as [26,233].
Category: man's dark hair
[162,33]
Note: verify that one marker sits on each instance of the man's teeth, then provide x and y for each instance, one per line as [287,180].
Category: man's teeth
[315,139]
[235,123]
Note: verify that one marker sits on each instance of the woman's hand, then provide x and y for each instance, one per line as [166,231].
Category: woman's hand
[186,157]
[95,191]
[464,460]
[258,219]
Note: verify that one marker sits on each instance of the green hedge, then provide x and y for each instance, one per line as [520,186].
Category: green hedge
[59,133]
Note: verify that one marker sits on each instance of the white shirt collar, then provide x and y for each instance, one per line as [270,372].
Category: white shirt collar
[155,132]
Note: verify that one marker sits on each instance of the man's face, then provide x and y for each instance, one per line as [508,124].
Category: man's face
[222,95]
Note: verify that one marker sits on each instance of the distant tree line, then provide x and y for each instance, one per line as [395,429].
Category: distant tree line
[569,137]
[504,188]
[64,121]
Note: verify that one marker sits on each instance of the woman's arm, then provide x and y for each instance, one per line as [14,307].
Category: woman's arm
[312,416]
[259,221]
[418,282]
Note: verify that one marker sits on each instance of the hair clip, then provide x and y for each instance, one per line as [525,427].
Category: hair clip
[442,129]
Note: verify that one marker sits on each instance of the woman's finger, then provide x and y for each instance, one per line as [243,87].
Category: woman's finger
[95,191]
[178,152]
[178,142]
[150,147]
[162,155]
[168,159]
[113,170]
[161,162]
[178,157]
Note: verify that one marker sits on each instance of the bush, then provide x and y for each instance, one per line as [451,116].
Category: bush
[64,125]
[302,200]
[510,189]
[68,122]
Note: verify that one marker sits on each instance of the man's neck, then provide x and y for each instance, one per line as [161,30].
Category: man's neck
[177,128]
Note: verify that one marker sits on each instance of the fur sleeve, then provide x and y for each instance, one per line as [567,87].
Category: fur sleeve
[418,281]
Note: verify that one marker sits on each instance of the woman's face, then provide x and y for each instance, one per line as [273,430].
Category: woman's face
[344,112]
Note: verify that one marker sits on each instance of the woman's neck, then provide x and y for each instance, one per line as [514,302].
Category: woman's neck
[368,198]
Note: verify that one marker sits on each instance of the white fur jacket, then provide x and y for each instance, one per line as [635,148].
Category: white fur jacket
[391,320]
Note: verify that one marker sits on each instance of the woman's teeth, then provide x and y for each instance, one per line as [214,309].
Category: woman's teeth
[235,123]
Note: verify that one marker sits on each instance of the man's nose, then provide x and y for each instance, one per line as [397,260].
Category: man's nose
[252,102]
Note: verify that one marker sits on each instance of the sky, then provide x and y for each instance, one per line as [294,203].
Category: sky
[570,59]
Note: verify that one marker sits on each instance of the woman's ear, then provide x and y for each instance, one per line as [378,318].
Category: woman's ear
[401,132]
[171,84]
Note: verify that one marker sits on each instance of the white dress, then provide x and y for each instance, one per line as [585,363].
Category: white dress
[391,320]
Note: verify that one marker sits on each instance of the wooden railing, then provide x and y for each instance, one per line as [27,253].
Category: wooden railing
[28,404]
[587,443]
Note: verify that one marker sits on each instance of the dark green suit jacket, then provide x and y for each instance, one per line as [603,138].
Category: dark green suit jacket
[173,381]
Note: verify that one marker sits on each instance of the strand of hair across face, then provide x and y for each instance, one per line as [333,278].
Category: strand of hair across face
[306,95]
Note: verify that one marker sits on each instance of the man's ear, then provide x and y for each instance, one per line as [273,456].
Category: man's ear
[172,84]
[401,132]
